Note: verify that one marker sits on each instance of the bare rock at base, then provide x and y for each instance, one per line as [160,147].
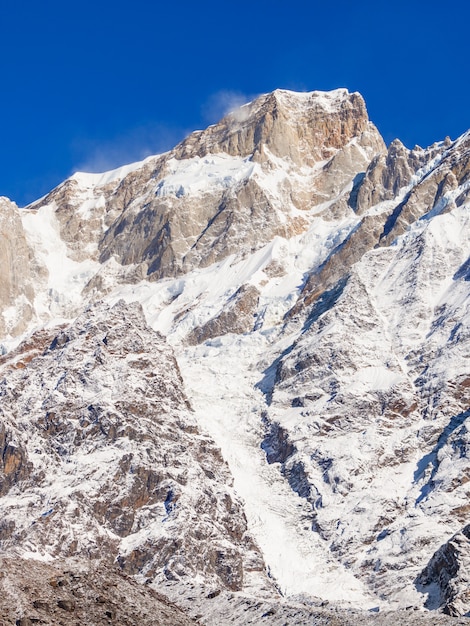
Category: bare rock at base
[33,592]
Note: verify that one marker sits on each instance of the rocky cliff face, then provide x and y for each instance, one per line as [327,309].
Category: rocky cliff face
[188,220]
[102,457]
[249,353]
[16,281]
[446,575]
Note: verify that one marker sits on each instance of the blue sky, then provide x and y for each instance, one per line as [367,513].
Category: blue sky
[93,85]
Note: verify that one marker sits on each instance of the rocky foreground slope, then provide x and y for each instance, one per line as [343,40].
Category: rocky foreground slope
[240,369]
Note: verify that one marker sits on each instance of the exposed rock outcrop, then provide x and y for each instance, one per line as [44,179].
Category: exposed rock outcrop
[398,189]
[16,278]
[389,173]
[227,190]
[306,128]
[177,231]
[447,576]
[14,465]
[238,316]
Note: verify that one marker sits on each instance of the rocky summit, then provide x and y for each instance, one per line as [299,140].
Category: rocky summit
[234,380]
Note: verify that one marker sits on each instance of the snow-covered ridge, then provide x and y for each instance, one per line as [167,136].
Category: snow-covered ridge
[329,101]
[88,180]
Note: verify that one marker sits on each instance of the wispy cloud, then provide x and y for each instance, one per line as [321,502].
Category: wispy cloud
[133,144]
[95,154]
[223,102]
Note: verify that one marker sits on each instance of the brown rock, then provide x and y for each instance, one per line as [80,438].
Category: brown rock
[16,288]
[236,317]
[14,466]
[120,599]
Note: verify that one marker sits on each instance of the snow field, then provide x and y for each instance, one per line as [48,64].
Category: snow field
[221,384]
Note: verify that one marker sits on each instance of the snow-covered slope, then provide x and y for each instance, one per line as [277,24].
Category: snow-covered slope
[313,287]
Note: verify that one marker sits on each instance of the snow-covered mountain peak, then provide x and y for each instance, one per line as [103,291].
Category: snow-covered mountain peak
[311,413]
[224,191]
[305,127]
[329,101]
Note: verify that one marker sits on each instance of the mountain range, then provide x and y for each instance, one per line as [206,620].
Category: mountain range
[235,380]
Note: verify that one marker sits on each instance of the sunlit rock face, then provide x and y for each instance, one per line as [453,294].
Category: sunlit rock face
[17,273]
[304,127]
[233,187]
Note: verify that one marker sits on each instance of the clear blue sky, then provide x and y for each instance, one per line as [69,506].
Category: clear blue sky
[95,84]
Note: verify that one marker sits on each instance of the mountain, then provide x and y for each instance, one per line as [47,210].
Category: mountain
[237,372]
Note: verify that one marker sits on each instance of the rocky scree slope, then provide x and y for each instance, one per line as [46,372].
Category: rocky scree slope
[73,593]
[287,240]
